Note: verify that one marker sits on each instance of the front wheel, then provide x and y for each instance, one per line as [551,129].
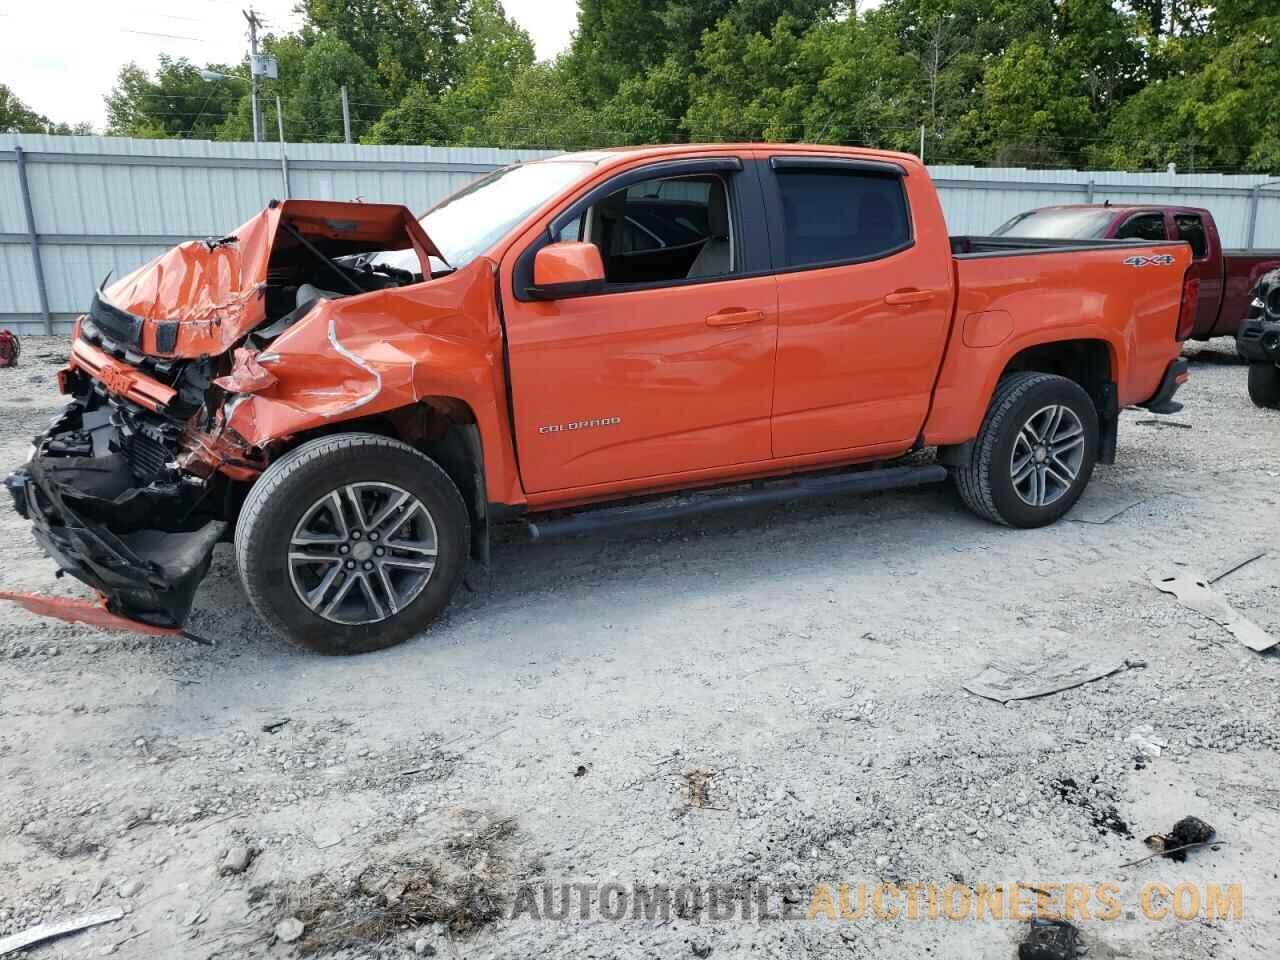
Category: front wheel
[1264,385]
[1034,453]
[352,543]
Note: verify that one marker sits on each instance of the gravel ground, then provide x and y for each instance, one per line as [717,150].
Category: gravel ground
[772,697]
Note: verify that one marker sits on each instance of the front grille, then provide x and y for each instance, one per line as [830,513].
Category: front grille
[122,328]
[147,457]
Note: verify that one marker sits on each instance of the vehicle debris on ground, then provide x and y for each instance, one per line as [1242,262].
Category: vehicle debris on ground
[1049,940]
[60,928]
[1193,591]
[1187,833]
[1005,681]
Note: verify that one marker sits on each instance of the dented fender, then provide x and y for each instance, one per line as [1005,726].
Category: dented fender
[377,352]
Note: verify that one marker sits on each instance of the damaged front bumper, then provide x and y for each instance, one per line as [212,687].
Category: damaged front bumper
[1259,341]
[107,503]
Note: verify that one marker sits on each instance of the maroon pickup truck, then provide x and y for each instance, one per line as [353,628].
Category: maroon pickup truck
[1227,277]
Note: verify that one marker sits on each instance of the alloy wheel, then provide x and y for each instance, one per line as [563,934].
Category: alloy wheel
[362,553]
[1047,455]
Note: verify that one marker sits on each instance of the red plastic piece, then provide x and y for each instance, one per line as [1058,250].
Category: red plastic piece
[94,613]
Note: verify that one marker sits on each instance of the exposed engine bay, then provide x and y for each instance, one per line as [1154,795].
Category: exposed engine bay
[143,472]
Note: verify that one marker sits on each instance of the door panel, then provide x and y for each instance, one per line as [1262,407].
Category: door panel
[854,370]
[676,376]
[859,344]
[628,385]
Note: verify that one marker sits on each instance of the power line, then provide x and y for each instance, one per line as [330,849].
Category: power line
[166,36]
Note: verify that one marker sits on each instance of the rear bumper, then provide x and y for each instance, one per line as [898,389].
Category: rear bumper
[1175,375]
[1258,341]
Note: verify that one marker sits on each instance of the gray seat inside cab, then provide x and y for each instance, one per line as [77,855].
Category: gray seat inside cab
[307,292]
[716,256]
[307,297]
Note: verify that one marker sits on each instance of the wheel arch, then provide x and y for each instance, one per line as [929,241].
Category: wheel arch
[445,429]
[1092,362]
[1089,362]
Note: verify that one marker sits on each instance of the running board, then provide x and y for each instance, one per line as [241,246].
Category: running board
[767,494]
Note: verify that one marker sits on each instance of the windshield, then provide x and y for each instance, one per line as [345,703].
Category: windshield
[1057,224]
[477,216]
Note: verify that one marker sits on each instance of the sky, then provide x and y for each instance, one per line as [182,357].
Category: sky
[61,57]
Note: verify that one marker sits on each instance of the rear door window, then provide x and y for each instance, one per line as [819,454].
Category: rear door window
[1145,226]
[833,216]
[1191,229]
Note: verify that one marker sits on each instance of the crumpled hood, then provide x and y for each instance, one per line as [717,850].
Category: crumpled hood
[203,296]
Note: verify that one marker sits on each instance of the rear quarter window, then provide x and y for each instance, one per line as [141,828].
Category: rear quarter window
[1146,226]
[835,217]
[1191,229]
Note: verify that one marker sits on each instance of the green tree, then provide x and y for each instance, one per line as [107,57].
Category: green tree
[1033,112]
[545,109]
[865,92]
[615,40]
[419,118]
[952,43]
[314,107]
[176,102]
[749,86]
[17,117]
[1098,43]
[494,55]
[1209,118]
[649,107]
[404,41]
[618,40]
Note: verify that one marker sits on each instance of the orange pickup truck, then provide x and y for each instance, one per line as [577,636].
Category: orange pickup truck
[357,397]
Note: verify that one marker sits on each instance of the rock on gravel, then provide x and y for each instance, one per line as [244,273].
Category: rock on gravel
[289,929]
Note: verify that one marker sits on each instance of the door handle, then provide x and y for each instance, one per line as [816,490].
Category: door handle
[734,317]
[909,296]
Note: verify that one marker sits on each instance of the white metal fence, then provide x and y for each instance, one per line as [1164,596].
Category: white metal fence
[73,209]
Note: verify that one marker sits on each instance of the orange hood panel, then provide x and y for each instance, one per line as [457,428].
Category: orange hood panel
[214,289]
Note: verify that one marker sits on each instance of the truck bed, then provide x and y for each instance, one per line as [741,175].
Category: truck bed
[1121,297]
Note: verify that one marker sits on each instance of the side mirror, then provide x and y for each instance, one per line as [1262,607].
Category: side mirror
[567,269]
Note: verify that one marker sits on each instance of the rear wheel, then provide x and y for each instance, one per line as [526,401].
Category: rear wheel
[1034,453]
[352,543]
[1264,385]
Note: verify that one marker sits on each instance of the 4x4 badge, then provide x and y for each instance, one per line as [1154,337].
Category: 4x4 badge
[1160,260]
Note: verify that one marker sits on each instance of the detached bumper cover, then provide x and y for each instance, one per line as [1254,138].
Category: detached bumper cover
[148,576]
[84,611]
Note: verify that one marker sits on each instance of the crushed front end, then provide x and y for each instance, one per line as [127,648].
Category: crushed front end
[143,473]
[103,488]
[1258,340]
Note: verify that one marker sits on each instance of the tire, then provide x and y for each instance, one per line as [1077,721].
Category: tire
[1264,385]
[987,483]
[291,516]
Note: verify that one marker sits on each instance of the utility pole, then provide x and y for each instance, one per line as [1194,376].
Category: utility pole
[922,143]
[346,115]
[254,23]
[284,161]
